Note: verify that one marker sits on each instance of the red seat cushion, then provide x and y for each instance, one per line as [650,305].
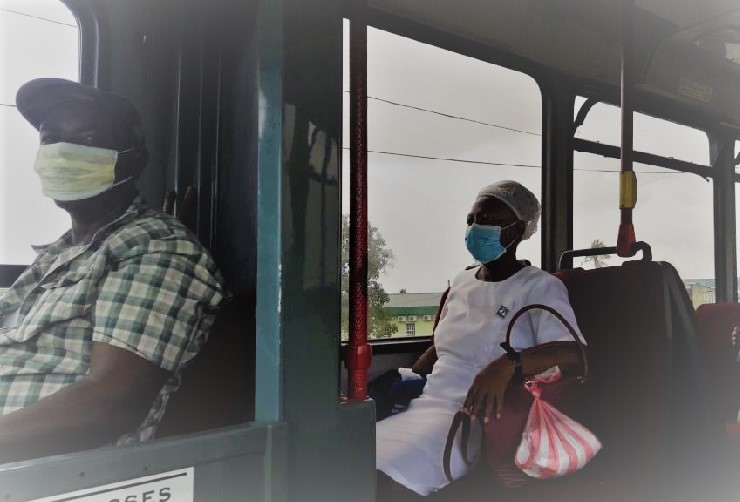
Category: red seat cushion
[623,314]
[715,323]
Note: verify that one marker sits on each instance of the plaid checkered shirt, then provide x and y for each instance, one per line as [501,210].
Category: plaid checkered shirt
[142,283]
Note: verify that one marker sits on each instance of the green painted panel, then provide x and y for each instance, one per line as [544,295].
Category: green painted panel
[230,465]
[268,388]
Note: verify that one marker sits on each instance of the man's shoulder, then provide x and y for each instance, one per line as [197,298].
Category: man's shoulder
[153,231]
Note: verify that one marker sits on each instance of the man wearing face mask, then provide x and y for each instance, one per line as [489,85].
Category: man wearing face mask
[467,368]
[94,334]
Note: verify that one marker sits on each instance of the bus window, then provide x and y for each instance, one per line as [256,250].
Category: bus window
[652,135]
[737,208]
[37,39]
[441,126]
[674,212]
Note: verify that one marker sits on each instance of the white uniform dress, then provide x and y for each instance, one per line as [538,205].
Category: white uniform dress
[472,325]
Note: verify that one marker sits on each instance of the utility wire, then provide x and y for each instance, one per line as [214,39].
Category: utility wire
[481,162]
[38,17]
[455,117]
[505,164]
[464,161]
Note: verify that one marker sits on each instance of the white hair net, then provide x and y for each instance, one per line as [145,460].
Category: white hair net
[519,199]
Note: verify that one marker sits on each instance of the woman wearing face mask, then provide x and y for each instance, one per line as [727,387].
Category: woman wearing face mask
[470,369]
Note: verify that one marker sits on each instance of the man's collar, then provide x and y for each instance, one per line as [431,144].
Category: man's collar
[137,207]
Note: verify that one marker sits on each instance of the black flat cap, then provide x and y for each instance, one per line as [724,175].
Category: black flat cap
[35,99]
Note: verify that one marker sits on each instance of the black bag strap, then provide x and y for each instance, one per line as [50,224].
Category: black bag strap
[506,345]
[460,421]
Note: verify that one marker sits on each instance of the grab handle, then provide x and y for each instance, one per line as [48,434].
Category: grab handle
[566,259]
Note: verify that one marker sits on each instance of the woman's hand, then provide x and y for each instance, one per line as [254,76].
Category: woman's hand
[735,333]
[486,395]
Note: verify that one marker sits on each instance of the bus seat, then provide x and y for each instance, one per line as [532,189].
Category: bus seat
[715,323]
[217,389]
[623,312]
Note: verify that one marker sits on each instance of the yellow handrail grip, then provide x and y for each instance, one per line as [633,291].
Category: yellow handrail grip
[627,190]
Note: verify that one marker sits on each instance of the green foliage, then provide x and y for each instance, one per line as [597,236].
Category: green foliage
[379,257]
[598,260]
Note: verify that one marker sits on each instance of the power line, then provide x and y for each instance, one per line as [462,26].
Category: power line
[8,105]
[455,117]
[38,17]
[505,164]
[464,161]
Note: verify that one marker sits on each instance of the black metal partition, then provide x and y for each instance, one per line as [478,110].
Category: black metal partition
[9,273]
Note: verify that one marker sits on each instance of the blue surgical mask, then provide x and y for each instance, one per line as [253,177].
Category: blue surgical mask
[484,242]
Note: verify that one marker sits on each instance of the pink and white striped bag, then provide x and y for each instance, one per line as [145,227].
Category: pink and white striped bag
[552,444]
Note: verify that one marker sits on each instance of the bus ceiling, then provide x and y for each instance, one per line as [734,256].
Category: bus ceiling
[686,52]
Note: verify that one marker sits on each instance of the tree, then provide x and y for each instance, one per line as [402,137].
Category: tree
[598,260]
[378,259]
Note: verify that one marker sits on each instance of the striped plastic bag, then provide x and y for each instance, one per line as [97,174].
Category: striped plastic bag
[552,444]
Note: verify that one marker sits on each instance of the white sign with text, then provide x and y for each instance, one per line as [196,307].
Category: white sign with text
[173,486]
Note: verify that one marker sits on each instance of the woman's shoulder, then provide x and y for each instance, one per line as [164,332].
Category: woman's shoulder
[532,277]
[537,285]
[466,275]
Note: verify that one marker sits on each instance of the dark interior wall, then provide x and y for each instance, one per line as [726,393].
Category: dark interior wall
[190,68]
[132,48]
[235,216]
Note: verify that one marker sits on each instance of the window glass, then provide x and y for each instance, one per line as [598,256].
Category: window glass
[651,135]
[674,212]
[38,38]
[441,126]
[737,212]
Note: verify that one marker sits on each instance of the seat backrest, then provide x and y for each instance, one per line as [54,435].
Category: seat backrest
[217,389]
[624,313]
[715,323]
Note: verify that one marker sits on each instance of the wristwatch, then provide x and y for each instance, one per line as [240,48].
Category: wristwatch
[513,356]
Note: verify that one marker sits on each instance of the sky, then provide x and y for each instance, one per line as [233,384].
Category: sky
[29,48]
[419,205]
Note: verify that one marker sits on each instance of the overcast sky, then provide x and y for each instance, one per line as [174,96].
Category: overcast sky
[419,205]
[29,48]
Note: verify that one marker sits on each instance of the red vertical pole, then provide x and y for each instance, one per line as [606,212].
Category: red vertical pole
[628,183]
[359,352]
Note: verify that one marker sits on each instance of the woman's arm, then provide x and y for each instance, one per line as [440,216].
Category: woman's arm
[423,366]
[486,395]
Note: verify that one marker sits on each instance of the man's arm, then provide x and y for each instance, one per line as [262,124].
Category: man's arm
[112,400]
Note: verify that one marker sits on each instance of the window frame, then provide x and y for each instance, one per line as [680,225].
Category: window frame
[87,26]
[558,94]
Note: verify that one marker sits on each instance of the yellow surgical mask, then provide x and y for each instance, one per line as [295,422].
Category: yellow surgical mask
[75,172]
